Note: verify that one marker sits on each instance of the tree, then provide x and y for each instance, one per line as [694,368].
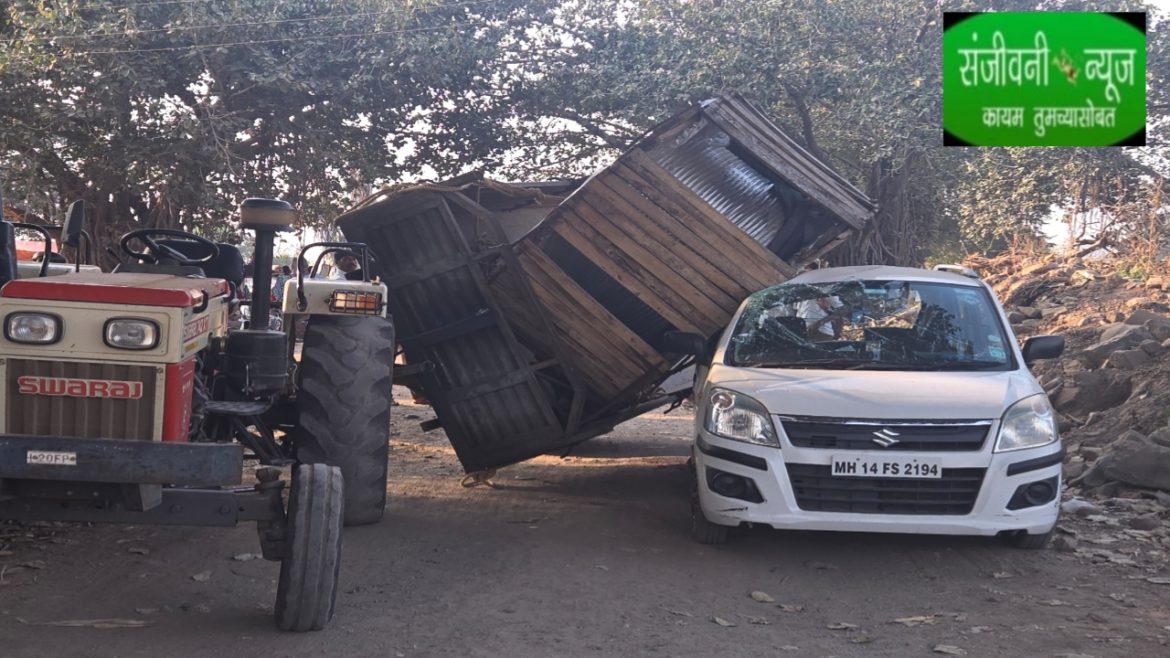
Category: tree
[170,114]
[857,81]
[167,114]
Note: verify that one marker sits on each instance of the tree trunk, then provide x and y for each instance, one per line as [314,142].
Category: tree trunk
[892,237]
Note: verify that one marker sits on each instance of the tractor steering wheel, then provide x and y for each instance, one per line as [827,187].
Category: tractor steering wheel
[147,237]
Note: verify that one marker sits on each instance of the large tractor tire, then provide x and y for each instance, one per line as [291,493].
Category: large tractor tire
[307,590]
[344,407]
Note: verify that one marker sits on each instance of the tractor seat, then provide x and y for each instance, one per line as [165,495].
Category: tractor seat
[229,265]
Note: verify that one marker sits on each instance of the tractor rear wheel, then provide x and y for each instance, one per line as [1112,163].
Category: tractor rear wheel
[307,590]
[344,407]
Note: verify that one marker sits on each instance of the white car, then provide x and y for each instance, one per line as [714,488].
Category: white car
[877,399]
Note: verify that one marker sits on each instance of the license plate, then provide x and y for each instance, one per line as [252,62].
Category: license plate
[52,458]
[885,467]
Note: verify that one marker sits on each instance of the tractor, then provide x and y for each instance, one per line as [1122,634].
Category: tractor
[126,398]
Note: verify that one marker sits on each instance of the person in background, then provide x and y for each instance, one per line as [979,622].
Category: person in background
[345,263]
[822,317]
[280,274]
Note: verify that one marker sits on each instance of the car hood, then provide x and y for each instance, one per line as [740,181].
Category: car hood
[881,394]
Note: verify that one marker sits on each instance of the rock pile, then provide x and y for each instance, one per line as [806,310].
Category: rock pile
[1112,400]
[1109,388]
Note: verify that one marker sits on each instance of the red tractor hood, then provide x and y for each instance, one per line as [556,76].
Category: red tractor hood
[122,288]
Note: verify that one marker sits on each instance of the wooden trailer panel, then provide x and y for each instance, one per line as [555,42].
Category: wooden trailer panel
[588,330]
[542,307]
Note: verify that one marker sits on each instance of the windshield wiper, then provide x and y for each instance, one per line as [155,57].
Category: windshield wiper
[831,364]
[968,365]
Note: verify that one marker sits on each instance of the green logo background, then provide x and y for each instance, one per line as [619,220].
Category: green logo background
[1068,35]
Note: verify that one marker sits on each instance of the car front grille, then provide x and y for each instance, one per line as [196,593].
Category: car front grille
[79,417]
[956,436]
[817,490]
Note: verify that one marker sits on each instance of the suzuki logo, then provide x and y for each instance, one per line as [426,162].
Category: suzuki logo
[885,437]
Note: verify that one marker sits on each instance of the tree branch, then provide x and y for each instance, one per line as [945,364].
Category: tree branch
[594,128]
[806,123]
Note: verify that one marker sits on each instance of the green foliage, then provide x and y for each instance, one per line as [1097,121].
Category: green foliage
[172,113]
[1134,270]
[168,114]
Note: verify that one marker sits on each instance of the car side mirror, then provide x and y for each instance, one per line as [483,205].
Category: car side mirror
[682,342]
[1042,347]
[74,223]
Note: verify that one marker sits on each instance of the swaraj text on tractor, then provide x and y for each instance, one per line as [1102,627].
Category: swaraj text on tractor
[125,398]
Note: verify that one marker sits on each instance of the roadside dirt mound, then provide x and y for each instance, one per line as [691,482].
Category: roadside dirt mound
[1110,392]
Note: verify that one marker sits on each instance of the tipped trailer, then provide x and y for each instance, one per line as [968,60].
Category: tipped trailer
[532,316]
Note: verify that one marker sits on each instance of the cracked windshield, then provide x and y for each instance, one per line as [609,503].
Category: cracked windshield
[889,325]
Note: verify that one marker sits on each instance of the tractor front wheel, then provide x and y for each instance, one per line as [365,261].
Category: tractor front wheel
[344,406]
[307,590]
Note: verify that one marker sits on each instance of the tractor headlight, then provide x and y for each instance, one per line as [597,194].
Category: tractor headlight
[131,333]
[1029,423]
[357,302]
[35,328]
[736,416]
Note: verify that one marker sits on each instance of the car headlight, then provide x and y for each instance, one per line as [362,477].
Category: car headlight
[1029,423]
[35,328]
[736,416]
[131,333]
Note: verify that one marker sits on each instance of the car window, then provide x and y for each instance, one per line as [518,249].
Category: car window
[875,325]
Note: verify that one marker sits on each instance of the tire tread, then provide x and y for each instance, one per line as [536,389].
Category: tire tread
[306,594]
[344,399]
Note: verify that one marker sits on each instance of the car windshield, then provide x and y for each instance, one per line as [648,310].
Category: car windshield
[871,325]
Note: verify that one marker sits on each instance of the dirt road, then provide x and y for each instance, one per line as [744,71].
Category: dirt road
[587,556]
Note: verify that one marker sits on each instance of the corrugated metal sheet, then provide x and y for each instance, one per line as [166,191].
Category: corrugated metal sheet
[743,195]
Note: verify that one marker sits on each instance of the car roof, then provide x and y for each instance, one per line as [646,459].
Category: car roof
[882,273]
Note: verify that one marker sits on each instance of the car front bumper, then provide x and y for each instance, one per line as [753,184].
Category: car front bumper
[767,468]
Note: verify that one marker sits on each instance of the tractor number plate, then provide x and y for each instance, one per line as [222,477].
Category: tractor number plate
[52,458]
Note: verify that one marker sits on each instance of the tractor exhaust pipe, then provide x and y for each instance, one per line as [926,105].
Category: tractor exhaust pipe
[266,217]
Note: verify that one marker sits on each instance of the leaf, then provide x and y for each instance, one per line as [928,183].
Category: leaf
[92,623]
[202,577]
[138,550]
[679,613]
[916,620]
[246,557]
[788,607]
[1158,580]
[949,649]
[1001,574]
[840,626]
[762,597]
[722,622]
[1054,602]
[758,621]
